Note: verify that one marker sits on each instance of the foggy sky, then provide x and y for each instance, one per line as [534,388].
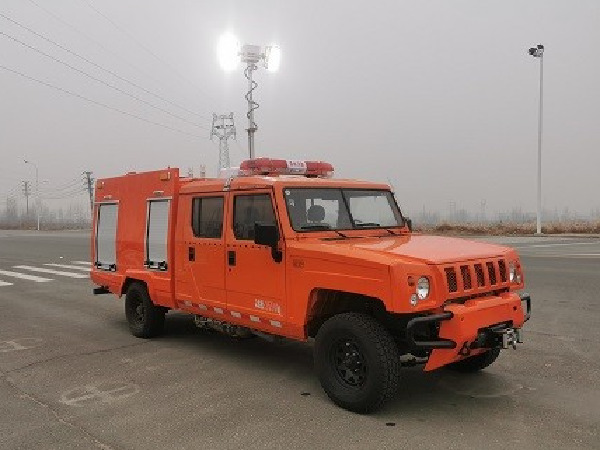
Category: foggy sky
[439,97]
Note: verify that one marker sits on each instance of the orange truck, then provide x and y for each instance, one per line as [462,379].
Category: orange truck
[281,248]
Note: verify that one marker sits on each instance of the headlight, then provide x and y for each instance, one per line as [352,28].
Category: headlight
[423,288]
[513,273]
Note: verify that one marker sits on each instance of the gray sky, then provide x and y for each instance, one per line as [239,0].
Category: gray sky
[438,96]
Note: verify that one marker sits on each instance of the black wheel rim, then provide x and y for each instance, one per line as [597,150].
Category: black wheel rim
[349,363]
[136,309]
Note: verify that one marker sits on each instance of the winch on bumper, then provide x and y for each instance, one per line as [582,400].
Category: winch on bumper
[472,327]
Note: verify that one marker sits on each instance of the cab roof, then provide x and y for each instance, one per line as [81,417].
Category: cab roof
[257,182]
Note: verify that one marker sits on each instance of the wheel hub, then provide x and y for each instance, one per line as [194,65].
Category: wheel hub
[349,363]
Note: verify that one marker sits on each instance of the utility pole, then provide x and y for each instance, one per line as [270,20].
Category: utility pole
[223,128]
[89,181]
[37,191]
[26,193]
[483,203]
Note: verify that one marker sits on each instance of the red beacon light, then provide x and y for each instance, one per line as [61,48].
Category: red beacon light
[269,166]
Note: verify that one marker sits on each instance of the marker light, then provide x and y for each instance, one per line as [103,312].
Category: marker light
[272,58]
[228,52]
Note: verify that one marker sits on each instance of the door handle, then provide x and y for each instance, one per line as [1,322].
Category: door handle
[231,257]
[191,254]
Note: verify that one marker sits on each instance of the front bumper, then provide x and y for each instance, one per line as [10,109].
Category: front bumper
[470,328]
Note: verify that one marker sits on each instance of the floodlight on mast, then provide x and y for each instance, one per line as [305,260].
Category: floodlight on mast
[230,54]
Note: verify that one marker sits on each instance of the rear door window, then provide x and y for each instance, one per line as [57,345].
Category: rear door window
[207,217]
[157,234]
[106,236]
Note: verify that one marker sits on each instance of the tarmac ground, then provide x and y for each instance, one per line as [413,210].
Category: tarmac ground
[72,376]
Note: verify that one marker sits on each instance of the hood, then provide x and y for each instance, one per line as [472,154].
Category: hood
[427,249]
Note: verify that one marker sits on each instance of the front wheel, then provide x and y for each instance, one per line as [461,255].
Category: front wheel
[357,362]
[475,363]
[145,319]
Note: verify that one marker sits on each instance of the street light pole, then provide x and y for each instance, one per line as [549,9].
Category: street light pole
[538,52]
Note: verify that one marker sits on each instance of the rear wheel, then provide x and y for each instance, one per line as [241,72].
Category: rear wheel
[145,319]
[357,362]
[475,363]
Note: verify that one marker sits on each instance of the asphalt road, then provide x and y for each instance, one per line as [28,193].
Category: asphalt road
[71,375]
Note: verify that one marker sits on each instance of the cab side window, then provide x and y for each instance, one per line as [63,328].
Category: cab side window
[207,217]
[248,210]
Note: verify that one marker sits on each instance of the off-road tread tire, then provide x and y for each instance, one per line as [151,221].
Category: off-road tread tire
[154,316]
[374,339]
[475,363]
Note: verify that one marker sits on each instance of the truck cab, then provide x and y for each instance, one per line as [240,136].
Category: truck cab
[283,249]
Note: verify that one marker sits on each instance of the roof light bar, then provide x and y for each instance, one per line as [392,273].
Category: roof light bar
[268,166]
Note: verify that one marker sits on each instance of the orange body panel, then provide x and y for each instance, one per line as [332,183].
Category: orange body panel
[261,293]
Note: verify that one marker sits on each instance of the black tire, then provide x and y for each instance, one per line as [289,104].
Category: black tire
[145,319]
[357,362]
[475,363]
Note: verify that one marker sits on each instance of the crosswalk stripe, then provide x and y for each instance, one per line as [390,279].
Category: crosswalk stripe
[85,263]
[4,283]
[24,276]
[67,266]
[52,271]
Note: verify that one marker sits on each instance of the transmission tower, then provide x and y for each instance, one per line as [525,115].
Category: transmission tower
[26,193]
[223,128]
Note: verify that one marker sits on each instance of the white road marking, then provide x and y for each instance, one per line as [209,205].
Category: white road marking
[558,244]
[102,393]
[554,255]
[67,266]
[19,344]
[52,271]
[24,276]
[85,263]
[4,283]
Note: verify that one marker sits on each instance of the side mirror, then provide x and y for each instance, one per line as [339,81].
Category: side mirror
[268,234]
[408,223]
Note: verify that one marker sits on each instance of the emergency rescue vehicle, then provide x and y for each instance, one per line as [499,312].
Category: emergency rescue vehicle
[281,248]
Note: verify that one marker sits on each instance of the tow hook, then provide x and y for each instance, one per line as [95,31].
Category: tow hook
[511,337]
[494,337]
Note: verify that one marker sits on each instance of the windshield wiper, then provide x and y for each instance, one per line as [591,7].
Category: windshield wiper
[367,224]
[315,227]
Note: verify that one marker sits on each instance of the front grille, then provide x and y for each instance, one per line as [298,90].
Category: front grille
[491,272]
[502,269]
[476,279]
[451,280]
[466,276]
[480,276]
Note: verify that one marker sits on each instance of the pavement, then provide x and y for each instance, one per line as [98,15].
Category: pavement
[71,375]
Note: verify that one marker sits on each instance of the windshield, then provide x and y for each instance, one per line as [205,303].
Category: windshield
[315,209]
